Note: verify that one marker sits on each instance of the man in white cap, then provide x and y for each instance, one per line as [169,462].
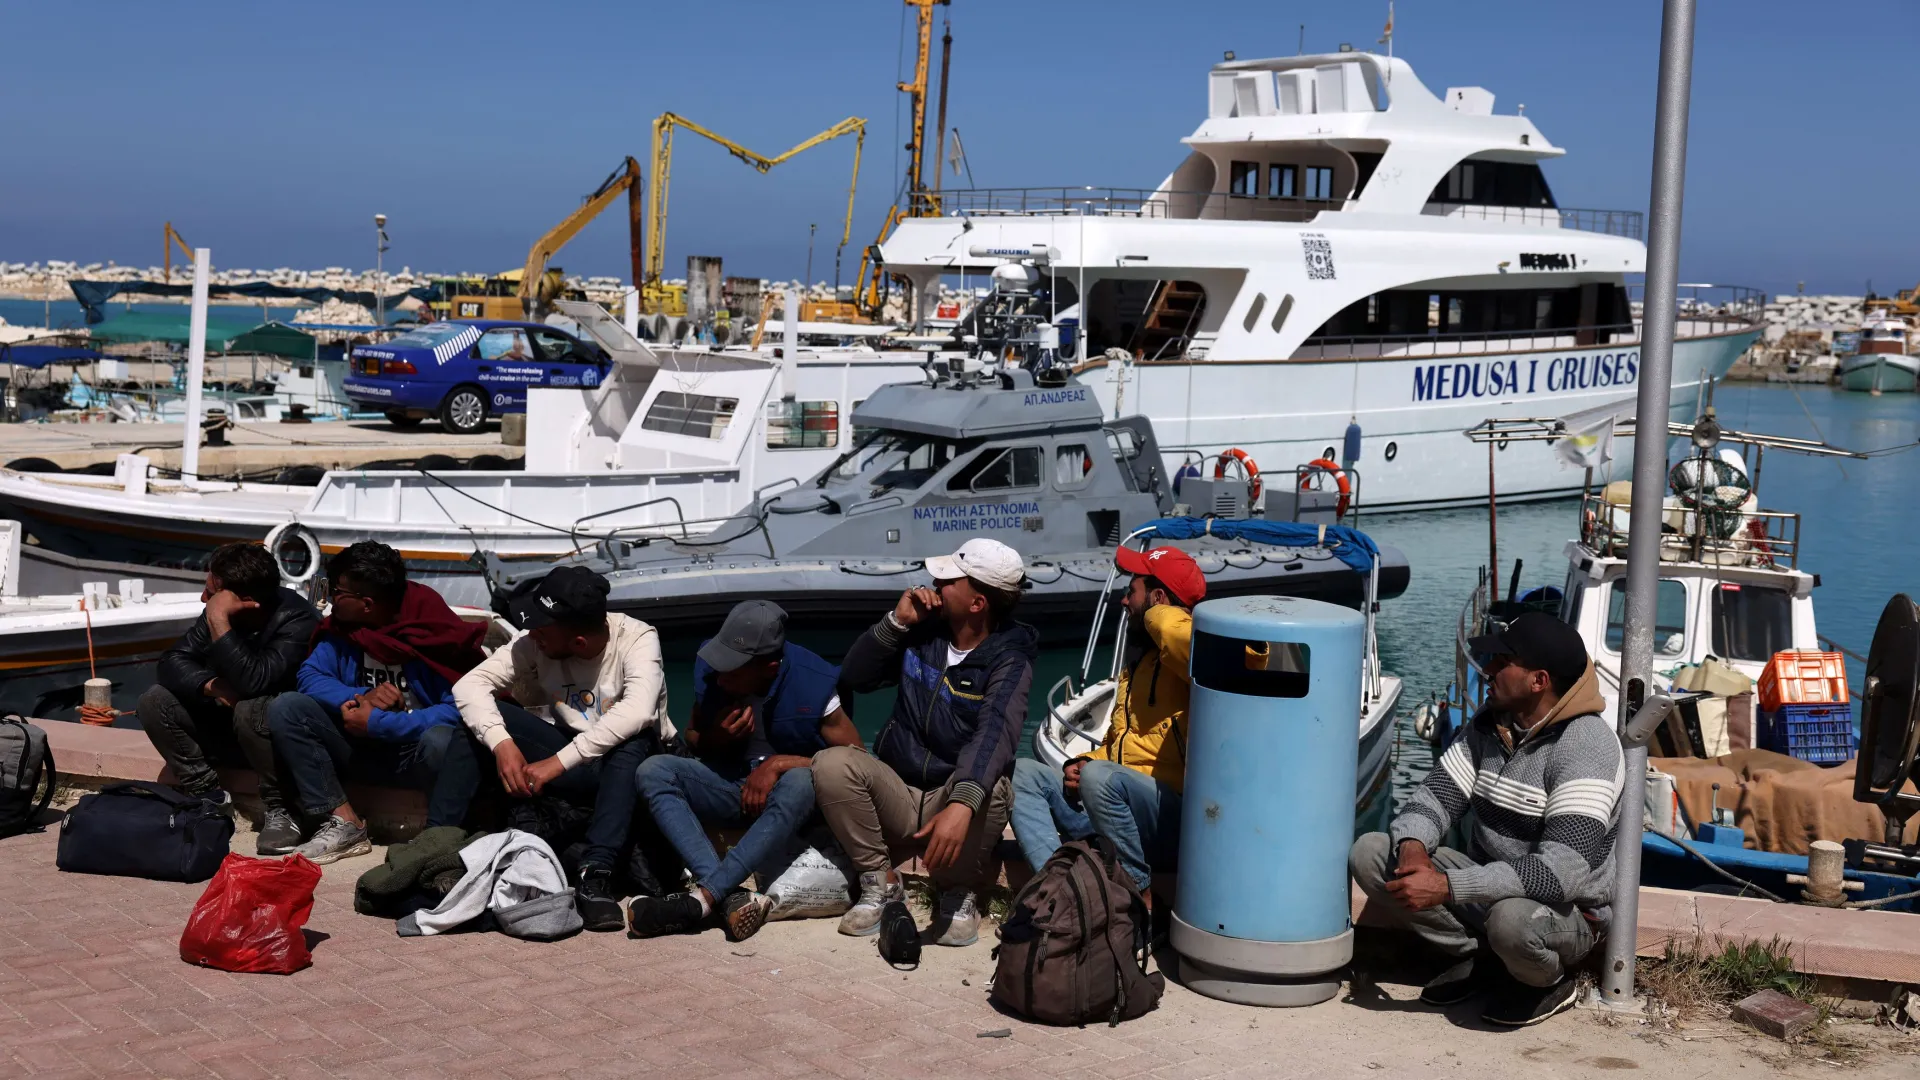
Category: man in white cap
[938,780]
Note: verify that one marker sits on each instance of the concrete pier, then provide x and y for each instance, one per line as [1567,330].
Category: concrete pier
[255,447]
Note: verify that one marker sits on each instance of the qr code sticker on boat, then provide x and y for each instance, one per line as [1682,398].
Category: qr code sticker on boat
[1318,251]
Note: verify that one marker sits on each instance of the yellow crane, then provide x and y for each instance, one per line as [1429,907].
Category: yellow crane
[167,239]
[657,297]
[919,201]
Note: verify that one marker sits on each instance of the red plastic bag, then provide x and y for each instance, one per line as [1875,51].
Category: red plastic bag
[249,918]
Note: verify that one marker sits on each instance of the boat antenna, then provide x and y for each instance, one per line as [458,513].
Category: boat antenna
[1649,468]
[1302,51]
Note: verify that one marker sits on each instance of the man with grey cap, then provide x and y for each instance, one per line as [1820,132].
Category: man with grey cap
[939,779]
[762,706]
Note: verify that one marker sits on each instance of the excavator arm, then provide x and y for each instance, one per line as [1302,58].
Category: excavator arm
[535,292]
[167,241]
[655,259]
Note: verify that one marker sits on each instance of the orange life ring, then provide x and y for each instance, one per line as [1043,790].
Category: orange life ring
[1246,462]
[1339,479]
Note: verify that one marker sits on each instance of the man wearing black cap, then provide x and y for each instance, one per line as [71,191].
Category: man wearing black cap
[586,701]
[762,707]
[1542,771]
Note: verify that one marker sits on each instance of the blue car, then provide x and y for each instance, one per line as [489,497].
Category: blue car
[463,371]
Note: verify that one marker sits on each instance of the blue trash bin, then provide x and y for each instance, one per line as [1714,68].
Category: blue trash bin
[1262,914]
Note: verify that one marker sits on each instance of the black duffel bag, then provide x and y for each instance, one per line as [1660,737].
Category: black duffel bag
[143,829]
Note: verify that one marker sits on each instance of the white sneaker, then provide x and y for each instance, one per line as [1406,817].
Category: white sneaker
[863,918]
[956,921]
[337,839]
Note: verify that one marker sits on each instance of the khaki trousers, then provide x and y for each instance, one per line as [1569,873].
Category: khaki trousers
[874,814]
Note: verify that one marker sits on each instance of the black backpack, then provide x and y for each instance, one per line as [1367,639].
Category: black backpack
[26,767]
[1076,944]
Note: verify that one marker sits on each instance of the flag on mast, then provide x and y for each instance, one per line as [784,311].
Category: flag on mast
[1386,35]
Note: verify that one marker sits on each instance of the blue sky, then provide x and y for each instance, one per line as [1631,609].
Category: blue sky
[272,133]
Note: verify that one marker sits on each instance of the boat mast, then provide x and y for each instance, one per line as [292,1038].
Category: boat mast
[1649,476]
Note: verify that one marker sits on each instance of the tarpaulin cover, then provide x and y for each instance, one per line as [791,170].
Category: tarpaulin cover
[171,327]
[39,356]
[93,295]
[277,339]
[1348,544]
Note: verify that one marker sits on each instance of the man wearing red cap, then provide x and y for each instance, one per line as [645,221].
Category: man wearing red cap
[1127,790]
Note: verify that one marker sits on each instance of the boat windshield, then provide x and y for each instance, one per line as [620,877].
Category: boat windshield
[1669,617]
[426,337]
[1751,622]
[891,460]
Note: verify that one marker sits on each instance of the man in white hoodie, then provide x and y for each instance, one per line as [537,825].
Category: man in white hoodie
[579,700]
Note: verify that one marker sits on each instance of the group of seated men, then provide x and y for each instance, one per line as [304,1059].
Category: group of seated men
[577,708]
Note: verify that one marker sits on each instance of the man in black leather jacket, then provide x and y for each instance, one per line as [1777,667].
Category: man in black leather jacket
[219,678]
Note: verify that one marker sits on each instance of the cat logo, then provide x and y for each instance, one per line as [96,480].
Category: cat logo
[467,309]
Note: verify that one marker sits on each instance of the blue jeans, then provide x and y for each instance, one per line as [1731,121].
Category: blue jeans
[1042,817]
[467,764]
[685,792]
[1140,815]
[308,737]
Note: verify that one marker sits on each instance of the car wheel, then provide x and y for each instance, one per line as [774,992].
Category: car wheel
[464,411]
[400,418]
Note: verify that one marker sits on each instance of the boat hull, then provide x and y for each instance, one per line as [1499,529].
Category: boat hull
[1880,373]
[1411,411]
[43,669]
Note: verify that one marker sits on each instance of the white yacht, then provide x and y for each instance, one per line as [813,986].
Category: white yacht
[1340,246]
[1882,364]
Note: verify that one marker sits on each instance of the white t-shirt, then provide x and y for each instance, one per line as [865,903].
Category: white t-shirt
[954,655]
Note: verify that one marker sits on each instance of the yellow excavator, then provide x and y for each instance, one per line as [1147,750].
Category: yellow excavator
[167,240]
[656,296]
[529,292]
[920,201]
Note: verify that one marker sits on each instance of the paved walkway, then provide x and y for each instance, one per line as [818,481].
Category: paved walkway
[254,445]
[91,984]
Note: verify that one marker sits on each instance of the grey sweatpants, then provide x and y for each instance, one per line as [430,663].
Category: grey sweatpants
[1537,942]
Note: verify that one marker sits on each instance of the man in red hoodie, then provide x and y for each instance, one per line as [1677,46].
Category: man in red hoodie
[382,668]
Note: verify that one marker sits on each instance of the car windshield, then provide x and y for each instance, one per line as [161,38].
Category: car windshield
[426,337]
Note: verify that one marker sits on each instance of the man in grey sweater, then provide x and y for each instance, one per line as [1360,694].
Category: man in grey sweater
[1542,771]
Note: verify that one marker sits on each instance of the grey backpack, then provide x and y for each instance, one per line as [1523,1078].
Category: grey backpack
[26,767]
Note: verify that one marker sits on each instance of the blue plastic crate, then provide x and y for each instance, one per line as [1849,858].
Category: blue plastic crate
[1820,733]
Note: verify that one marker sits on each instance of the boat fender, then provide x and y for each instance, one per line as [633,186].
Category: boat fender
[276,544]
[1426,721]
[1246,464]
[1339,479]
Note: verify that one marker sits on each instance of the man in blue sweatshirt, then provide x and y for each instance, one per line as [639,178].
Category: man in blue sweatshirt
[382,668]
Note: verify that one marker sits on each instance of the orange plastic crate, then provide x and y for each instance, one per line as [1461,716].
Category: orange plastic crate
[1803,678]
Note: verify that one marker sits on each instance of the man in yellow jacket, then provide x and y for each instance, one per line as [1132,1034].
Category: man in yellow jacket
[1128,789]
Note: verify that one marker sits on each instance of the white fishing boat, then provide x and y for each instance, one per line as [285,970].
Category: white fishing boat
[1883,364]
[670,442]
[1077,718]
[1340,246]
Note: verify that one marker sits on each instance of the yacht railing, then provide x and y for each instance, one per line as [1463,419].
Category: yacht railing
[1759,538]
[1120,202]
[1627,223]
[1709,309]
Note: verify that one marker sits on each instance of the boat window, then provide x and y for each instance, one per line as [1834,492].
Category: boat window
[1319,182]
[698,415]
[1072,466]
[1125,444]
[1245,177]
[1283,182]
[1669,617]
[999,469]
[1494,183]
[795,425]
[1253,312]
[507,343]
[893,461]
[1280,315]
[861,432]
[1399,313]
[1751,622]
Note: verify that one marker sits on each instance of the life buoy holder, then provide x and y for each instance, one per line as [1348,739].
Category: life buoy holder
[1339,480]
[1246,465]
[277,539]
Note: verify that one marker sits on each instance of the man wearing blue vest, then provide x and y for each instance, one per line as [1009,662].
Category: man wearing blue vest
[761,708]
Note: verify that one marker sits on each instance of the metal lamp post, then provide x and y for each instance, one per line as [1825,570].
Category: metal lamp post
[1649,476]
[379,269]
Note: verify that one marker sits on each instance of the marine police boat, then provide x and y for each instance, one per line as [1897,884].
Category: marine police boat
[971,451]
